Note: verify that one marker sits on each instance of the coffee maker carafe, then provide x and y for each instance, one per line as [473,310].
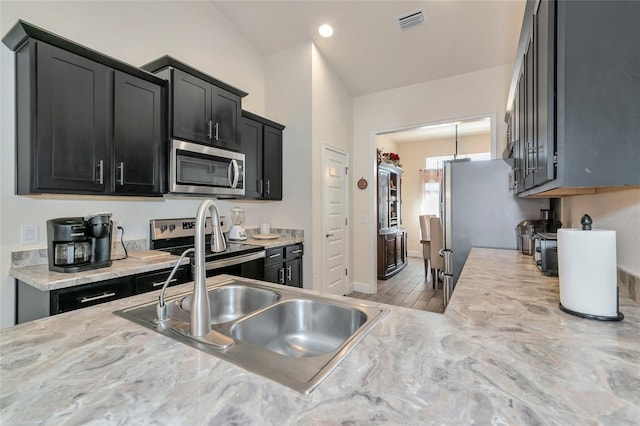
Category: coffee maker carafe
[79,244]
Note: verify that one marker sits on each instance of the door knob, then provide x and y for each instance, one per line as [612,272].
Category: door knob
[329,235]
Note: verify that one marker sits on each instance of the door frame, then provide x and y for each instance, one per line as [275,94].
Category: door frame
[347,198]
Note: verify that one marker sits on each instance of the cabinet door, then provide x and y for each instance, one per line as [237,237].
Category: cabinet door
[138,144]
[73,114]
[226,110]
[383,197]
[251,146]
[272,164]
[293,273]
[530,145]
[545,108]
[391,249]
[191,108]
[274,273]
[522,128]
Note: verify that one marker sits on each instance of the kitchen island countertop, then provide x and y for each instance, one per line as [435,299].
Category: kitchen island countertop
[503,353]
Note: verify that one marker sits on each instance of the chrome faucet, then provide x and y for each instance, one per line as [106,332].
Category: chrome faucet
[200,313]
[161,307]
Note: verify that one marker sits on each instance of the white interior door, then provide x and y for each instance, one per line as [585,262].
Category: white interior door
[335,242]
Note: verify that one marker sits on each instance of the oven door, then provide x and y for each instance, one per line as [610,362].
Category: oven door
[199,169]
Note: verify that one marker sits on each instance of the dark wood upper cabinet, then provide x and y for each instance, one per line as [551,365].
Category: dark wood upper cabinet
[574,98]
[139,151]
[85,122]
[191,108]
[251,143]
[70,137]
[272,164]
[261,143]
[204,109]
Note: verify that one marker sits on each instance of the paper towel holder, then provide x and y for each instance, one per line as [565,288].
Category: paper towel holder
[586,223]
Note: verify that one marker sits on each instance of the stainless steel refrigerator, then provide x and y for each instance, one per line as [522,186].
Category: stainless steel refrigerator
[479,209]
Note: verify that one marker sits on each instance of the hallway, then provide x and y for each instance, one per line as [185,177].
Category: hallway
[409,288]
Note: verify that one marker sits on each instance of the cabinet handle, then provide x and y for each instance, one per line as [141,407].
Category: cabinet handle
[260,186]
[217,128]
[268,186]
[121,178]
[288,273]
[281,272]
[210,129]
[101,172]
[274,255]
[159,283]
[296,251]
[92,298]
[329,234]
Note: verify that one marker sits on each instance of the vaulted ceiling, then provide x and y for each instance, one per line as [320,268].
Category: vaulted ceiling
[369,51]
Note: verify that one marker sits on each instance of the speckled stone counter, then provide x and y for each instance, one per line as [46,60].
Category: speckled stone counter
[503,353]
[42,278]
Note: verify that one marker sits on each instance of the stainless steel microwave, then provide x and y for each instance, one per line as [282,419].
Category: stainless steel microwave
[204,170]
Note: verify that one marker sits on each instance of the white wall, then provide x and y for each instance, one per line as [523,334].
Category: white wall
[288,88]
[618,211]
[135,32]
[474,94]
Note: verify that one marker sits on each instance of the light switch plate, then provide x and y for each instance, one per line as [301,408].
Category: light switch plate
[29,234]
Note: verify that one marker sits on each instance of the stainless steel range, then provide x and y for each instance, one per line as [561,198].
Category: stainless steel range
[177,235]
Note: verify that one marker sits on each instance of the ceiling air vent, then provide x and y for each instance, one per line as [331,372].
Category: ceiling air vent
[411,20]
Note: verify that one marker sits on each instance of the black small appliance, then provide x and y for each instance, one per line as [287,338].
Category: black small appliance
[546,253]
[79,244]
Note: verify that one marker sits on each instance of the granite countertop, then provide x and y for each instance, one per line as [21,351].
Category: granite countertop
[42,278]
[275,242]
[503,353]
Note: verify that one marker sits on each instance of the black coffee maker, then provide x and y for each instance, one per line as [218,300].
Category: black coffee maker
[79,244]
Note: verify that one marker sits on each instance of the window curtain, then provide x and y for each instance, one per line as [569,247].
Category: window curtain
[430,187]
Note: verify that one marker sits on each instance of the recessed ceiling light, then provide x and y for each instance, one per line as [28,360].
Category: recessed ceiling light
[325,30]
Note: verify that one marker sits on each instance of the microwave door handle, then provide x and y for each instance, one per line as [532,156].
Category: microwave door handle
[233,173]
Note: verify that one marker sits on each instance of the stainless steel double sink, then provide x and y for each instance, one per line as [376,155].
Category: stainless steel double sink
[292,337]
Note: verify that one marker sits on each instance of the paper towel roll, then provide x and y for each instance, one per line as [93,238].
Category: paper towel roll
[587,272]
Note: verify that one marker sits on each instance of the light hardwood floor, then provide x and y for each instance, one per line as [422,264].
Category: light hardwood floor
[409,288]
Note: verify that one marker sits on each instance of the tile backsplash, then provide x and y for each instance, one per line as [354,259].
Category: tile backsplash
[629,285]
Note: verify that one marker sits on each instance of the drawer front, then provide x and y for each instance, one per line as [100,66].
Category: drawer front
[91,294]
[274,255]
[155,281]
[293,251]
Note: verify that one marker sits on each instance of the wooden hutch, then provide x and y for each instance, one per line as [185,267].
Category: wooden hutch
[392,237]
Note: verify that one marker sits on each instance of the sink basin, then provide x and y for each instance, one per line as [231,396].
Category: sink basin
[293,337]
[234,301]
[300,328]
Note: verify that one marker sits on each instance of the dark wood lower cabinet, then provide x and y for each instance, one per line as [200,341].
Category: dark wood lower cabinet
[392,253]
[32,303]
[283,265]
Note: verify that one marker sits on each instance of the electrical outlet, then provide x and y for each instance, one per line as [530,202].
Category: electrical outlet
[29,234]
[223,224]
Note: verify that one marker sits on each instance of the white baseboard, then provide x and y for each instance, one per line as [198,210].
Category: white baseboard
[363,288]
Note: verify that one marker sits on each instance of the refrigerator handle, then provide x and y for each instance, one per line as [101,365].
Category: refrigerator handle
[447,260]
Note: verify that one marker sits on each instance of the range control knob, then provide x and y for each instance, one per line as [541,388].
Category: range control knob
[172,227]
[163,228]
